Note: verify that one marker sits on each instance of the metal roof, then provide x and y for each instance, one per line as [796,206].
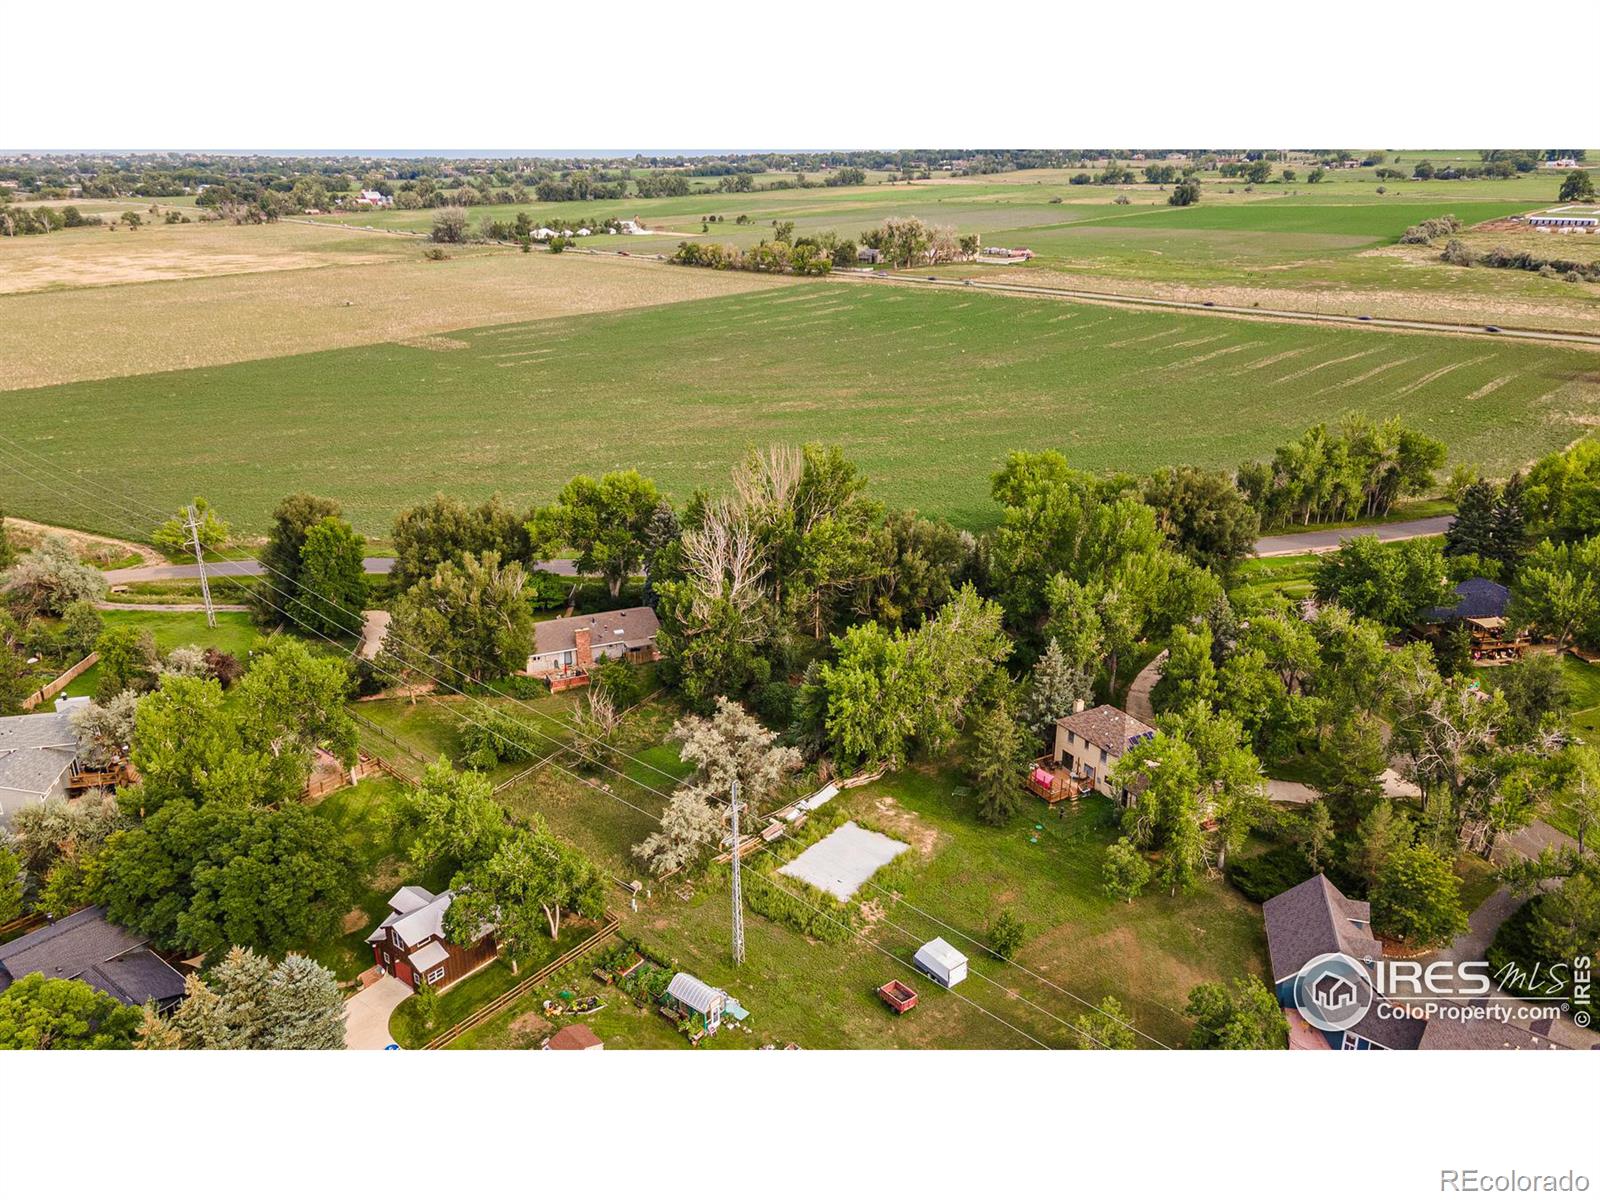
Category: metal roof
[429,956]
[942,954]
[701,997]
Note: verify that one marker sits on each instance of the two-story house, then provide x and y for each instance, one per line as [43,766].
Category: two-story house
[411,944]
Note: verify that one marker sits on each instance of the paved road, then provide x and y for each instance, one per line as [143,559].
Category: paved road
[1323,541]
[250,567]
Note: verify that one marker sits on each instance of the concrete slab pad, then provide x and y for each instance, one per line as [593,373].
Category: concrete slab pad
[841,862]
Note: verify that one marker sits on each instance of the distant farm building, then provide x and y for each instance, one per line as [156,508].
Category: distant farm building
[367,199]
[866,254]
[1007,253]
[1570,219]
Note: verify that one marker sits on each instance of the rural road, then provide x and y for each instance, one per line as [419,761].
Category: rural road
[250,567]
[1322,541]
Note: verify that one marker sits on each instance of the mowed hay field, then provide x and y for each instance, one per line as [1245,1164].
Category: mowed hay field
[263,291]
[1329,247]
[926,390]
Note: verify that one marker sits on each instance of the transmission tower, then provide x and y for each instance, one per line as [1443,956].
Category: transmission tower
[738,902]
[200,559]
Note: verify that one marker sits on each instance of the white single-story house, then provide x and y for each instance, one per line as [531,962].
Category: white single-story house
[37,755]
[941,962]
[569,645]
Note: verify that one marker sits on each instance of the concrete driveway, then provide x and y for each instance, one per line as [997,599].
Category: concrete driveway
[366,1014]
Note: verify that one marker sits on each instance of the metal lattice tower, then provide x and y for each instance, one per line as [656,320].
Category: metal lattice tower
[738,899]
[200,560]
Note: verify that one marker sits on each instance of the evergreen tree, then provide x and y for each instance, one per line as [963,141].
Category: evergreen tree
[1053,687]
[1000,761]
[304,1009]
[1381,832]
[1510,523]
[1473,530]
[1354,758]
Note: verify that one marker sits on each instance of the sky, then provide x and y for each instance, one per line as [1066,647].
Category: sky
[822,75]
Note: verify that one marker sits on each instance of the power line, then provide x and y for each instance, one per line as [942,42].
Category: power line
[133,508]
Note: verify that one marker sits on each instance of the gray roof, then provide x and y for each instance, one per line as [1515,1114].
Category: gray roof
[634,627]
[1107,727]
[1481,1033]
[1315,918]
[36,749]
[86,946]
[1476,598]
[701,997]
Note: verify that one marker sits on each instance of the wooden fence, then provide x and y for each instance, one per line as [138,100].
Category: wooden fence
[507,998]
[60,682]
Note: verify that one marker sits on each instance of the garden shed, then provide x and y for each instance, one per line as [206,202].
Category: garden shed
[693,998]
[941,962]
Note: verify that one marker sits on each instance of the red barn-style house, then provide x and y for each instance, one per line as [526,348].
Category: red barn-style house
[411,945]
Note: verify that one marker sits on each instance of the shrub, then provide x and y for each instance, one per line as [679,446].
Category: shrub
[1262,876]
[1005,935]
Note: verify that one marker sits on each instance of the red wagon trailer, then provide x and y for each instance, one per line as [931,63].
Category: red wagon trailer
[898,996]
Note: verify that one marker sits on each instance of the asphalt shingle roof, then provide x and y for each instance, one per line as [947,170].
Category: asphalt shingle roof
[1315,918]
[1477,598]
[86,946]
[1107,727]
[634,627]
[36,749]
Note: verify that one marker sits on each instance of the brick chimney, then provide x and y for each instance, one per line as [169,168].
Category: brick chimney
[1077,706]
[585,656]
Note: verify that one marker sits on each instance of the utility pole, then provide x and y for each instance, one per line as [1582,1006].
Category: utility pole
[200,560]
[738,902]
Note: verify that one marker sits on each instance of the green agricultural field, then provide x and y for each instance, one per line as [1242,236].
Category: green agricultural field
[926,390]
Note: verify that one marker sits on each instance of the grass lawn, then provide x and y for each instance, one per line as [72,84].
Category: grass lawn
[1584,680]
[235,633]
[1291,575]
[927,391]
[1148,954]
[370,824]
[476,990]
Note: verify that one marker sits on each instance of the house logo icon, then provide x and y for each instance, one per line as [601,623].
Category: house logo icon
[1333,992]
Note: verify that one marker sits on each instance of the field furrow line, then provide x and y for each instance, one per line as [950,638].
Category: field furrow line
[1493,385]
[1314,367]
[1268,361]
[1366,375]
[1197,359]
[1149,337]
[1440,374]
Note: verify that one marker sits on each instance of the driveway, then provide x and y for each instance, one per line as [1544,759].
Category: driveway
[249,567]
[1138,704]
[1325,541]
[366,1014]
[374,625]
